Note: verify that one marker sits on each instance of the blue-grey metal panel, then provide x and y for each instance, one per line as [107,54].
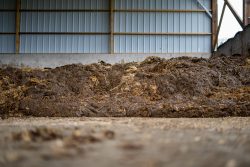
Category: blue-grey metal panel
[65,22]
[65,4]
[162,44]
[7,43]
[7,24]
[64,44]
[8,4]
[124,22]
[161,4]
[162,22]
[7,21]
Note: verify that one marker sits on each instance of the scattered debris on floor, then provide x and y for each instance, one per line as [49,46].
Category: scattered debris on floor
[156,87]
[131,146]
[57,143]
[43,134]
[38,134]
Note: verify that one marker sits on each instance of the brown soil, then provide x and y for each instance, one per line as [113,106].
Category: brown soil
[179,87]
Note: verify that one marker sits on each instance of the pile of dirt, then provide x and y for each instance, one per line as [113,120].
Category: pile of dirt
[156,87]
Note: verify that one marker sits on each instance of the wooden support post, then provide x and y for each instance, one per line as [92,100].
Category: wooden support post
[214,22]
[236,15]
[246,12]
[218,30]
[111,21]
[17,47]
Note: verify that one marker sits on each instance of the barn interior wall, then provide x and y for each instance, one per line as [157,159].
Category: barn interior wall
[83,26]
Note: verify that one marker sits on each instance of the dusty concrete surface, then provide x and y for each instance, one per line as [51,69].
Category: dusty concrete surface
[39,142]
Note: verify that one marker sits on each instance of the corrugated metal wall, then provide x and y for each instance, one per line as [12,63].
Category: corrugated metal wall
[170,23]
[83,26]
[7,26]
[65,4]
[75,20]
[160,4]
[162,44]
[64,44]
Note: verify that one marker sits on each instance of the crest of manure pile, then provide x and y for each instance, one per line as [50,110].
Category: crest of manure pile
[156,87]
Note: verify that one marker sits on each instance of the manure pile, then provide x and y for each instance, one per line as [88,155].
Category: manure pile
[156,87]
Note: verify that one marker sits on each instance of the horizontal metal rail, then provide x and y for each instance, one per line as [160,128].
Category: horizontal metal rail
[107,33]
[64,10]
[159,10]
[160,53]
[7,33]
[104,10]
[161,33]
[7,10]
[117,53]
[65,33]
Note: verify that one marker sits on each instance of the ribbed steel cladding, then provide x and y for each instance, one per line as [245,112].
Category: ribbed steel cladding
[90,16]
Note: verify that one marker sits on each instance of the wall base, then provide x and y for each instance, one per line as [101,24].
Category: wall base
[55,60]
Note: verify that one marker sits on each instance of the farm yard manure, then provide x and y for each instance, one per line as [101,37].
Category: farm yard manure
[156,87]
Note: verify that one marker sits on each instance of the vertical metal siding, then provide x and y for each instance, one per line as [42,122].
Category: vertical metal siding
[65,4]
[8,4]
[7,21]
[7,43]
[160,4]
[7,25]
[65,22]
[162,22]
[64,44]
[154,22]
[162,44]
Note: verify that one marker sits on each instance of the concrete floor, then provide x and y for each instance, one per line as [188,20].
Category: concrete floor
[133,142]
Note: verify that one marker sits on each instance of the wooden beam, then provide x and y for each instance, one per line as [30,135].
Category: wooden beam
[114,10]
[17,42]
[65,33]
[113,33]
[246,12]
[64,10]
[161,10]
[214,23]
[7,10]
[218,30]
[161,33]
[236,15]
[111,26]
[7,33]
